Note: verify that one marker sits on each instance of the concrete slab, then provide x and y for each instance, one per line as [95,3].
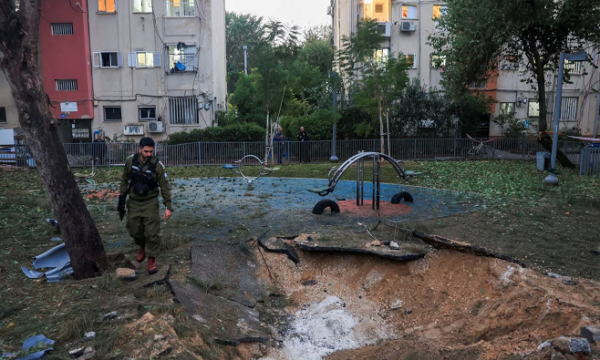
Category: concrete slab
[228,271]
[407,253]
[230,323]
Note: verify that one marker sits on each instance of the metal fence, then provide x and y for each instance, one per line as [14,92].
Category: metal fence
[590,161]
[293,152]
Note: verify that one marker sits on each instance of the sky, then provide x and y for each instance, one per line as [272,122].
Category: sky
[304,13]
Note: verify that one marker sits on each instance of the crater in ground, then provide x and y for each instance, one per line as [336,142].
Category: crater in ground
[447,305]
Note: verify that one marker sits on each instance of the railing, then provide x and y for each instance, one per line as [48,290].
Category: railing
[293,152]
[590,161]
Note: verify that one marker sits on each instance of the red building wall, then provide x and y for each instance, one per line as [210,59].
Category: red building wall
[67,56]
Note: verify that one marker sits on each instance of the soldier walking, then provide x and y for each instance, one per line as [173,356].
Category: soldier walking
[142,177]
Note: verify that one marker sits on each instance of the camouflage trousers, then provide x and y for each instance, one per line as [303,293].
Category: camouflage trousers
[143,223]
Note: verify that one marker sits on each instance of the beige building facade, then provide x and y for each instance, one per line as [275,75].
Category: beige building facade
[407,26]
[157,67]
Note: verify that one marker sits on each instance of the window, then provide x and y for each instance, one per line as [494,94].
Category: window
[144,59]
[109,59]
[112,113]
[479,84]
[409,11]
[377,9]
[507,108]
[179,8]
[142,6]
[438,61]
[183,110]
[147,112]
[439,11]
[411,60]
[62,29]
[66,85]
[2,115]
[382,55]
[534,109]
[509,62]
[574,67]
[107,6]
[182,57]
[568,110]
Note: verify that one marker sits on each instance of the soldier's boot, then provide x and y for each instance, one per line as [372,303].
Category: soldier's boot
[152,269]
[141,254]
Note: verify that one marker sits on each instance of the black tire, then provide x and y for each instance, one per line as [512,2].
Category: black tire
[402,195]
[324,204]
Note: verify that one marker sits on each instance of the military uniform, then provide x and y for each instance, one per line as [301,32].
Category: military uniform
[143,219]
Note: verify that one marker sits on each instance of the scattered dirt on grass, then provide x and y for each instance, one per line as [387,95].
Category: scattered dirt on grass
[449,305]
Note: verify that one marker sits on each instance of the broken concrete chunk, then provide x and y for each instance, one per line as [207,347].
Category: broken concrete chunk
[89,335]
[571,345]
[397,304]
[376,243]
[568,281]
[292,254]
[110,315]
[273,244]
[591,333]
[87,354]
[394,245]
[158,337]
[555,276]
[77,352]
[126,274]
[545,345]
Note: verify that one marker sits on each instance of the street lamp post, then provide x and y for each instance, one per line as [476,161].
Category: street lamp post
[246,60]
[334,157]
[573,57]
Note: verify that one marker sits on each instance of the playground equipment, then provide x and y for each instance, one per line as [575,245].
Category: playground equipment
[238,168]
[335,175]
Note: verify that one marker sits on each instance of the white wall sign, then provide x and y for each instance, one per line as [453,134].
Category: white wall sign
[133,130]
[68,106]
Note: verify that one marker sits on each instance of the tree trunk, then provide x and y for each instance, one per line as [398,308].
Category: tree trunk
[19,39]
[545,139]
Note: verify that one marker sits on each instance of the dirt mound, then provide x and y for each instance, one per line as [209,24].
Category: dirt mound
[449,305]
[386,209]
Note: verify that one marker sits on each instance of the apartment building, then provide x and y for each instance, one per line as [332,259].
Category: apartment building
[129,68]
[407,25]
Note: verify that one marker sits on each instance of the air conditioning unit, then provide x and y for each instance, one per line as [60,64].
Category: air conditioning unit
[156,127]
[408,26]
[329,10]
[385,28]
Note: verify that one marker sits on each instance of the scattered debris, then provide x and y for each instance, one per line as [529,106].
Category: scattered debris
[394,245]
[555,276]
[54,224]
[273,244]
[56,239]
[595,251]
[397,304]
[126,274]
[439,242]
[376,243]
[568,281]
[591,333]
[110,316]
[87,354]
[56,259]
[292,254]
[403,254]
[89,335]
[309,282]
[77,352]
[38,341]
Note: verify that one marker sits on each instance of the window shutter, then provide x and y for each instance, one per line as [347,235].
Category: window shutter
[157,58]
[119,60]
[132,59]
[96,59]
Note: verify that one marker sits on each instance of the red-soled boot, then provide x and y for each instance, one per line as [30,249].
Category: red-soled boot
[141,254]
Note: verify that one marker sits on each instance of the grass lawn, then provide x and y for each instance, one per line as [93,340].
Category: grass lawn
[550,229]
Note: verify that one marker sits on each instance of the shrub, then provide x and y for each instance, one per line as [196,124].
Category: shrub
[230,133]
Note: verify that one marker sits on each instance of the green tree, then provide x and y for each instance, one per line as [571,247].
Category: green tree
[476,34]
[375,83]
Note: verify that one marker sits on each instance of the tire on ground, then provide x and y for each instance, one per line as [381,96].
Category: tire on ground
[324,204]
[402,195]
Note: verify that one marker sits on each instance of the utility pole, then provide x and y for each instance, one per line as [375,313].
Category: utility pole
[246,60]
[334,157]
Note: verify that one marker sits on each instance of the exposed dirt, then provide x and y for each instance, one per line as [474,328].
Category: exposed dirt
[453,305]
[366,210]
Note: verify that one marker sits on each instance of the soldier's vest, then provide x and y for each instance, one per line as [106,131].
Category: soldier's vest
[142,182]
